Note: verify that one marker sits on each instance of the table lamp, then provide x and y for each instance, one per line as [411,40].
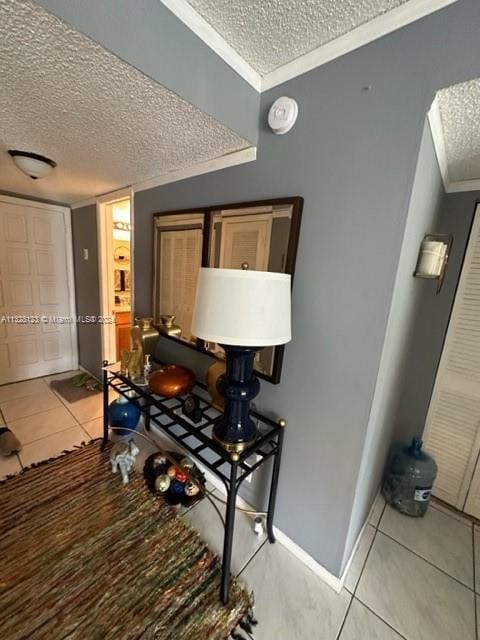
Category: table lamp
[242,311]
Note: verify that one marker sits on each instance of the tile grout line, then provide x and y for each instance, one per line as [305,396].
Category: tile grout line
[359,578]
[65,404]
[454,515]
[474,583]
[380,618]
[252,557]
[54,433]
[19,460]
[426,560]
[30,415]
[61,404]
[352,593]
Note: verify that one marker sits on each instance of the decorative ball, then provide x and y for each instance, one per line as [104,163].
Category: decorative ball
[192,489]
[159,460]
[181,476]
[176,487]
[123,413]
[162,479]
[162,483]
[172,471]
[186,463]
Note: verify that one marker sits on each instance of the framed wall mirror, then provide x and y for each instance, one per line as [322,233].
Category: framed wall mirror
[261,236]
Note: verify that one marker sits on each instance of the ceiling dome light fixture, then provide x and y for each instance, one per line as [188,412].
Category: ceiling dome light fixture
[32,164]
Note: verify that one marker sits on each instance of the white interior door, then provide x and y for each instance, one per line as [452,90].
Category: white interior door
[37,329]
[452,430]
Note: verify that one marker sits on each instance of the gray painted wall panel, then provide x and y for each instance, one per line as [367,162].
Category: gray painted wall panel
[409,294]
[429,325]
[352,156]
[84,231]
[148,36]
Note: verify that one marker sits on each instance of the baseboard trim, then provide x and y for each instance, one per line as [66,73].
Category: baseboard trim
[329,578]
[89,373]
[333,581]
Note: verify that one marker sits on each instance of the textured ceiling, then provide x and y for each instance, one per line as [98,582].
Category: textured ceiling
[270,33]
[460,114]
[104,123]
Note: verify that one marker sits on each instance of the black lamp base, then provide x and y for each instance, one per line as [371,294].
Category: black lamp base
[235,429]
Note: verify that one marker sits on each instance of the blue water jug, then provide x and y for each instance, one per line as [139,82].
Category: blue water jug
[409,478]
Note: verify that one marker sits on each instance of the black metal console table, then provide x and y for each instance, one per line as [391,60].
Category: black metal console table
[196,439]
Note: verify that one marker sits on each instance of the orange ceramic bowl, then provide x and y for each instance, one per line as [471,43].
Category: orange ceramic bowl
[171,381]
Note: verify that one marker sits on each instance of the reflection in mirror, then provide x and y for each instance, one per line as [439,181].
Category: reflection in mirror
[178,242]
[255,238]
[261,235]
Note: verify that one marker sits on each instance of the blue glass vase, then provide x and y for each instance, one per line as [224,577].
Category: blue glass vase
[123,413]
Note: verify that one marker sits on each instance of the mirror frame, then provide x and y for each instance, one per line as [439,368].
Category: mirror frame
[296,203]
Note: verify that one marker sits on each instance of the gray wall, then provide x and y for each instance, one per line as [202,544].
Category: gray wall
[429,324]
[84,231]
[408,296]
[148,36]
[352,156]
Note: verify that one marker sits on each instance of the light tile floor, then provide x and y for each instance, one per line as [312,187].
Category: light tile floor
[410,579]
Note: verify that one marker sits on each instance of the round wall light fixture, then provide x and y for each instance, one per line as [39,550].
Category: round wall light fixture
[282,115]
[32,164]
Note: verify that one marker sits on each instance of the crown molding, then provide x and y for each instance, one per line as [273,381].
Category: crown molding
[201,28]
[463,185]
[230,160]
[83,203]
[438,137]
[362,35]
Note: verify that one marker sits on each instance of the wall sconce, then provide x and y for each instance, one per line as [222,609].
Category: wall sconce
[433,257]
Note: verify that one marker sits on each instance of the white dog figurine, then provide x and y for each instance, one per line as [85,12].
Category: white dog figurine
[122,457]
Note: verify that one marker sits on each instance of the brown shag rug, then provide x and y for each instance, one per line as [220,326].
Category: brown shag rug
[84,557]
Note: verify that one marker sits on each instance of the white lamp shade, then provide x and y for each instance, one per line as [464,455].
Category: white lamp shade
[243,308]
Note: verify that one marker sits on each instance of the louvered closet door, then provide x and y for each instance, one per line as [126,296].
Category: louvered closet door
[452,431]
[181,253]
[246,241]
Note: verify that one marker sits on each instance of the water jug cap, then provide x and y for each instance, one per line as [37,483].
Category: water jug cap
[416,446]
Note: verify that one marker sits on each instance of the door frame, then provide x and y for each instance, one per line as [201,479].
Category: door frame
[462,498]
[67,221]
[105,274]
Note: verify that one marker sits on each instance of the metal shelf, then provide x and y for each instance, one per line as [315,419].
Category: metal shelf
[165,415]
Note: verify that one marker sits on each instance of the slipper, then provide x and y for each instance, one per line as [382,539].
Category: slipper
[8,442]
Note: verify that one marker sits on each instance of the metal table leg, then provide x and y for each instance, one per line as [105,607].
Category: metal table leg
[105,406]
[147,418]
[229,526]
[274,485]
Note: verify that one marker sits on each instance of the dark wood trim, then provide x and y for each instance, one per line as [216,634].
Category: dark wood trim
[297,208]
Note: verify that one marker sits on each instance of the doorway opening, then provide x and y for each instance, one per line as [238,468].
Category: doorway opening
[115,250]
